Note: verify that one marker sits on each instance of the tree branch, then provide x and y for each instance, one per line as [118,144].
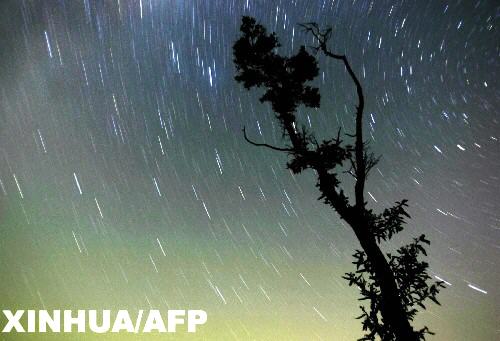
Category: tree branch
[289,150]
[361,170]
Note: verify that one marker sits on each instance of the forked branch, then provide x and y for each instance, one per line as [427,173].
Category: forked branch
[359,162]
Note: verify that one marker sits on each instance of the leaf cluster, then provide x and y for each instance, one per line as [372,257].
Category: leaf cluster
[284,78]
[411,276]
[285,82]
[389,222]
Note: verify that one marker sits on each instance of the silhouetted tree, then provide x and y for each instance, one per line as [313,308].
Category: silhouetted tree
[395,284]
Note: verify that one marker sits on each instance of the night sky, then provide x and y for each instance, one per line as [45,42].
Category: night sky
[125,181]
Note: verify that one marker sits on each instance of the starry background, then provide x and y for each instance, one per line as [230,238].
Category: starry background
[125,181]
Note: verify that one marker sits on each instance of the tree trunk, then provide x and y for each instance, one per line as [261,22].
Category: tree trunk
[391,308]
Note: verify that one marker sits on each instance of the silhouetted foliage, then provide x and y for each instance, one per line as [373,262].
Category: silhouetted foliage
[395,285]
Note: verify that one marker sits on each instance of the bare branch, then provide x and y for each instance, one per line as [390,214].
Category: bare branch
[353,164]
[323,36]
[289,150]
[371,161]
[350,171]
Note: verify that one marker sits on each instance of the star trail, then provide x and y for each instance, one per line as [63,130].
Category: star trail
[126,183]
